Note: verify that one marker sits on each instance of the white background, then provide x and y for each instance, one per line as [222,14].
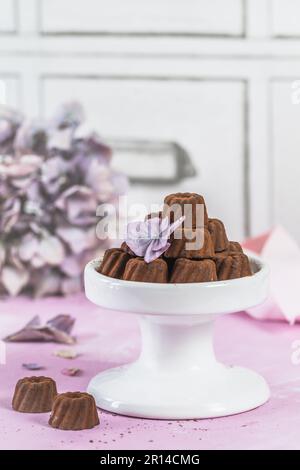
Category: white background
[213,75]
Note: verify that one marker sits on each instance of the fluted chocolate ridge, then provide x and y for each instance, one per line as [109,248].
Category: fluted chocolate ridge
[191,243]
[218,234]
[186,270]
[234,247]
[34,394]
[74,411]
[233,266]
[125,247]
[138,270]
[186,204]
[114,262]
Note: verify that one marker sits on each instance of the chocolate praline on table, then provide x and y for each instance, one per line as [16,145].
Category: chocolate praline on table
[138,270]
[74,411]
[186,270]
[113,263]
[188,204]
[218,234]
[34,394]
[192,244]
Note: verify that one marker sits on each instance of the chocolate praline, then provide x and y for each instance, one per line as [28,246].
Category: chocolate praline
[190,243]
[191,205]
[74,411]
[186,270]
[113,263]
[138,270]
[34,394]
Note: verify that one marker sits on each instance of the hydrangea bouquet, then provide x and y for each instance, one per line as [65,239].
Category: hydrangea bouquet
[53,175]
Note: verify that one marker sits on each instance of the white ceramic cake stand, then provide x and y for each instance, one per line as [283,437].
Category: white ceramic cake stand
[177,375]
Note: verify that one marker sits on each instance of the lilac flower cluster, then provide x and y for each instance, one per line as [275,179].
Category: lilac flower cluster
[53,175]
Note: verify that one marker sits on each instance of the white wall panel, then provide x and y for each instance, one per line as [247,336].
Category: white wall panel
[205,117]
[9,91]
[286,154]
[143,16]
[285,18]
[8,16]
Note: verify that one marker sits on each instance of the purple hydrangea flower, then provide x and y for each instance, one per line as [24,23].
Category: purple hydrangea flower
[53,175]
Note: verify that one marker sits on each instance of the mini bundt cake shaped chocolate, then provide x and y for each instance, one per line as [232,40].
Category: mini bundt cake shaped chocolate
[233,266]
[125,247]
[74,411]
[34,394]
[178,204]
[192,244]
[113,263]
[235,247]
[138,270]
[218,234]
[186,270]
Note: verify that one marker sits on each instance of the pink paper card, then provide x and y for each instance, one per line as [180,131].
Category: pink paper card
[282,254]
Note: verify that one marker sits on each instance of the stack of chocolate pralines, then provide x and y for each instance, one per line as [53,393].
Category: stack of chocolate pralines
[215,258]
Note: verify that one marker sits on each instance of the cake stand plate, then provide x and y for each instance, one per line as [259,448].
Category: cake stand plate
[177,375]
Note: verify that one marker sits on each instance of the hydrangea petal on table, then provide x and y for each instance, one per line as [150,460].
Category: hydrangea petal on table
[53,175]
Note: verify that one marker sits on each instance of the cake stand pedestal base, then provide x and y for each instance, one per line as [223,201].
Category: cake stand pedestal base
[177,375]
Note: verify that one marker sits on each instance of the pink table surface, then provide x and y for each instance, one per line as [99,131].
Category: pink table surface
[107,339]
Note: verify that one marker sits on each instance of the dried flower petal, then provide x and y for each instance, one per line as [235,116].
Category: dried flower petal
[77,239]
[58,330]
[31,137]
[6,130]
[34,322]
[32,366]
[51,250]
[71,285]
[62,322]
[68,115]
[83,132]
[61,140]
[98,177]
[10,120]
[23,167]
[2,255]
[71,372]
[71,266]
[13,279]
[47,250]
[28,247]
[120,182]
[54,174]
[66,353]
[11,213]
[79,204]
[48,283]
